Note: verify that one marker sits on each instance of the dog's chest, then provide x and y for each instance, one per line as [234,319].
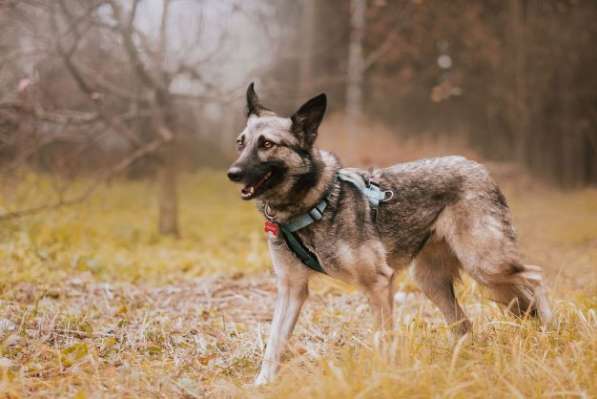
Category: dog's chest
[348,256]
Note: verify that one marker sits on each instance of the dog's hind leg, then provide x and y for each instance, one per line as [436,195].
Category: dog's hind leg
[435,269]
[484,243]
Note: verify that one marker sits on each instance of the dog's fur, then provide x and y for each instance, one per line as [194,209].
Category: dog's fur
[446,215]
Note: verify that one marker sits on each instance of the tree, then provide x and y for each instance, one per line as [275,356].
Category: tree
[309,30]
[356,64]
[112,75]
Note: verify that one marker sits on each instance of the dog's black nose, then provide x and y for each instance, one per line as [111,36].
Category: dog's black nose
[235,173]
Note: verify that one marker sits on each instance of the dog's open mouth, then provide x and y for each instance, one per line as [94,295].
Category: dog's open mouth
[250,190]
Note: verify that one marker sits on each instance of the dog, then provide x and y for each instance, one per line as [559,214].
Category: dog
[440,215]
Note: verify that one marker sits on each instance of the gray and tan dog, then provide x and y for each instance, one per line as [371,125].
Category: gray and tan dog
[445,215]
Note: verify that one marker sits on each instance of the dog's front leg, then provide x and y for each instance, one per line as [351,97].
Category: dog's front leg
[381,299]
[292,285]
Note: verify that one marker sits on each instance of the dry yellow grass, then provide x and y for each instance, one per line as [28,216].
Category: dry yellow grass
[93,303]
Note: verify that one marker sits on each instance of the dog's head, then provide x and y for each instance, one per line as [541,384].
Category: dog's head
[275,151]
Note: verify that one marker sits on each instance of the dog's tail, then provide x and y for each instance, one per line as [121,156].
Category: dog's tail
[526,293]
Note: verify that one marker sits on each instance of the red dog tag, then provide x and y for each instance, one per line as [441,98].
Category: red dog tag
[271,227]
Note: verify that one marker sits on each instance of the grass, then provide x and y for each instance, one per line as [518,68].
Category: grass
[114,237]
[94,303]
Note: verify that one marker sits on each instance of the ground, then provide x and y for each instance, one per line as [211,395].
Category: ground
[94,303]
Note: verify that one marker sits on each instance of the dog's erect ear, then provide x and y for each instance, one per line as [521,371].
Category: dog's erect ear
[306,120]
[254,107]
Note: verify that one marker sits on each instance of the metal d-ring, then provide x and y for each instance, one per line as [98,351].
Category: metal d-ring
[386,198]
[266,212]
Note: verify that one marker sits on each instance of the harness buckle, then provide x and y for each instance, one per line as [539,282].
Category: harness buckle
[315,213]
[387,194]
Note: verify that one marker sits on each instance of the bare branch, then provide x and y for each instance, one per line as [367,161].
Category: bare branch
[126,33]
[149,148]
[90,91]
[65,117]
[67,55]
[381,51]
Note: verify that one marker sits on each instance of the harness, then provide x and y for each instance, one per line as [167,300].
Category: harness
[370,190]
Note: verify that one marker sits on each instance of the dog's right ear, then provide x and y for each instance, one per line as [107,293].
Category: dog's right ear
[307,119]
[254,107]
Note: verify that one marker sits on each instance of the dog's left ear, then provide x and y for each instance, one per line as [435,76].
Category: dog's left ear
[307,119]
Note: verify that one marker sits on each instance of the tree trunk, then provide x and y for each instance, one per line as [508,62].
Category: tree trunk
[354,84]
[165,121]
[307,44]
[168,173]
[521,114]
[167,192]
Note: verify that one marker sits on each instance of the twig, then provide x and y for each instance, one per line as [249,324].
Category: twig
[92,188]
[126,32]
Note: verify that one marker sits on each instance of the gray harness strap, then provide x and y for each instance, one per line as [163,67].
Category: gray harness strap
[372,191]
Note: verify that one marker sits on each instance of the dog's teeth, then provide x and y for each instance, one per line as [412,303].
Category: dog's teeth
[248,191]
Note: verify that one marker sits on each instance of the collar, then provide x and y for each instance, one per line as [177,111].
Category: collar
[304,220]
[301,221]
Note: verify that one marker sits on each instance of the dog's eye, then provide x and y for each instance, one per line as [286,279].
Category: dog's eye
[240,144]
[267,144]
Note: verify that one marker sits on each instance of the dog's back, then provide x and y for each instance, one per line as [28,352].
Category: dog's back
[425,189]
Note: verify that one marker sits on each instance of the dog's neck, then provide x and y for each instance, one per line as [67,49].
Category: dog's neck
[307,190]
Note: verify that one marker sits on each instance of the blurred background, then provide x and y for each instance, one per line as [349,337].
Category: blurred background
[149,89]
